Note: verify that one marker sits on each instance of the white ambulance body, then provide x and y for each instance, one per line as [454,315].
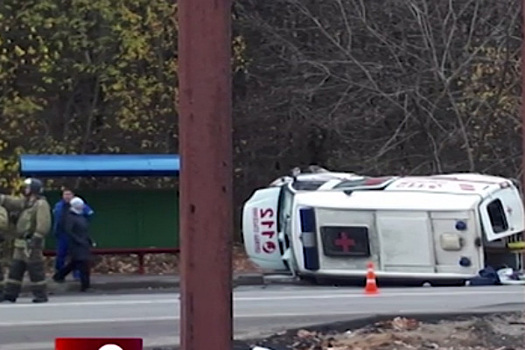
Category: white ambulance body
[431,228]
[263,214]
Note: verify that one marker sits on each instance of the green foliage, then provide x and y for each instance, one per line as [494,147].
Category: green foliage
[87,76]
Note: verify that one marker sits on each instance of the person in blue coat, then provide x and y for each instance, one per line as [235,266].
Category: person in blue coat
[59,214]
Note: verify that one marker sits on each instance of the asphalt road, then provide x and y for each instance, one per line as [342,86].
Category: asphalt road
[155,317]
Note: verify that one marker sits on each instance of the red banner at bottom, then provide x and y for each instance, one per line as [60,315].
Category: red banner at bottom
[98,344]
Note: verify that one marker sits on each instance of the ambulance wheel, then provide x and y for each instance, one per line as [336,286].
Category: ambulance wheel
[449,283]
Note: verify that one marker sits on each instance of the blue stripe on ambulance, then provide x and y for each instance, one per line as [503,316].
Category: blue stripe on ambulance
[309,239]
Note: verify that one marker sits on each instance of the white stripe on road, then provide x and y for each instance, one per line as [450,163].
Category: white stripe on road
[160,342]
[265,298]
[28,346]
[177,318]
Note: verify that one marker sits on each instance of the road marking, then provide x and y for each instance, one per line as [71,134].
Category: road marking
[266,298]
[161,342]
[177,317]
[381,295]
[88,321]
[28,346]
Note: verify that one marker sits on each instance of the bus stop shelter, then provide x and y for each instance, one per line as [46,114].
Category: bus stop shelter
[156,241]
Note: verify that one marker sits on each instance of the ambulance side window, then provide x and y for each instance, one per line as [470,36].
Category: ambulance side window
[284,207]
[497,216]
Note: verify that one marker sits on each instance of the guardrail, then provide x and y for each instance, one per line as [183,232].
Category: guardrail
[140,252]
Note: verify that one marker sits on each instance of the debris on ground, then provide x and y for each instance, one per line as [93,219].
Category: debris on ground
[490,276]
[155,264]
[494,332]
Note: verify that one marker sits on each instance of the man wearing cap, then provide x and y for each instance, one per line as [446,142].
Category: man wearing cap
[32,226]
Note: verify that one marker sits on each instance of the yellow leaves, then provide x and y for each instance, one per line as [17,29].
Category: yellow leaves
[490,97]
[128,48]
[59,148]
[118,86]
[48,23]
[477,72]
[488,77]
[18,51]
[136,47]
[145,144]
[45,67]
[15,184]
[238,53]
[9,169]
[22,106]
[129,122]
[130,16]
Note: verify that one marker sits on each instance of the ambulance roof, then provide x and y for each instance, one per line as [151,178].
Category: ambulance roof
[388,200]
[461,184]
[313,181]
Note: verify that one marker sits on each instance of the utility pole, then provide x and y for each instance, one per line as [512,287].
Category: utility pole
[523,112]
[206,200]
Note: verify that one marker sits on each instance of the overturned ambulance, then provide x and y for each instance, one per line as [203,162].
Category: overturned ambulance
[437,229]
[266,212]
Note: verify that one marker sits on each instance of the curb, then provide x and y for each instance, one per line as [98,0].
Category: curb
[365,320]
[355,323]
[253,279]
[73,286]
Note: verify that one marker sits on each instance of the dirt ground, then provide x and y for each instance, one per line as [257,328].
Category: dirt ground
[497,332]
[158,264]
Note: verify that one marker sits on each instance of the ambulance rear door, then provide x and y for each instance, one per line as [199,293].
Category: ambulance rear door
[502,213]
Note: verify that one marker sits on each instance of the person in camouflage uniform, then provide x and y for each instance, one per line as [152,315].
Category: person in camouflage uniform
[5,247]
[32,226]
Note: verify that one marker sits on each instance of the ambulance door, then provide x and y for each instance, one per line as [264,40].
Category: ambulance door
[285,229]
[260,231]
[502,213]
[406,241]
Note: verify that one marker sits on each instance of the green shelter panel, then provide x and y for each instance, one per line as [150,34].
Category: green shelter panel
[130,219]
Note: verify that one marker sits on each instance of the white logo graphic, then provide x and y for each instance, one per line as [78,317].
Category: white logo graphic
[110,347]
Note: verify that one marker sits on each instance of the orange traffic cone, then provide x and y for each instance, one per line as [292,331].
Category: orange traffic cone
[371,283]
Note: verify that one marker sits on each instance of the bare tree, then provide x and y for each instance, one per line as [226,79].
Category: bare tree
[377,86]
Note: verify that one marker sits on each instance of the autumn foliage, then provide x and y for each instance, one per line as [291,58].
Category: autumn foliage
[412,86]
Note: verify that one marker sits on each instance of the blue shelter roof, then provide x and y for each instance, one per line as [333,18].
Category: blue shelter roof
[51,165]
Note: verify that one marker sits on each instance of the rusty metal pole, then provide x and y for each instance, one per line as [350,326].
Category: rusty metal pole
[206,200]
[523,111]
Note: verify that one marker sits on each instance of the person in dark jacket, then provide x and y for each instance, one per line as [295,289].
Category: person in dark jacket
[59,214]
[76,227]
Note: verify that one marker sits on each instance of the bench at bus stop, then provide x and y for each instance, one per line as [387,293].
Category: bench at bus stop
[139,252]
